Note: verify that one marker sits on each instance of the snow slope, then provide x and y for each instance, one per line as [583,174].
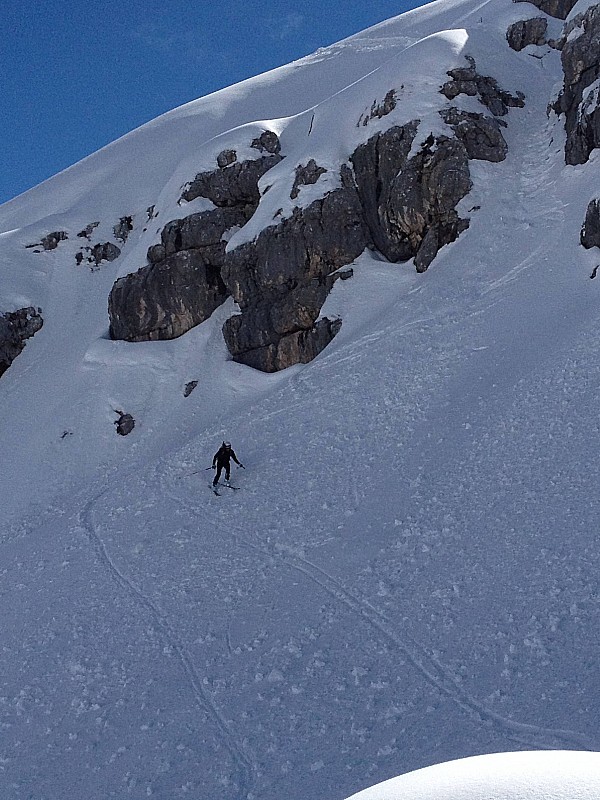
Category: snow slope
[408,573]
[503,776]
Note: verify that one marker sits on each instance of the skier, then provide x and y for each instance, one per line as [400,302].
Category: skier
[221,460]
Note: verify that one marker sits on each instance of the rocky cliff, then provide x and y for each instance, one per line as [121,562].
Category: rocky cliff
[398,194]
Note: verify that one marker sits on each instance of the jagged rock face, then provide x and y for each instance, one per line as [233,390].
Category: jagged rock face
[234,185]
[560,9]
[376,165]
[528,31]
[165,300]
[579,99]
[466,80]
[182,285]
[306,174]
[401,202]
[410,203]
[15,328]
[267,142]
[590,233]
[480,135]
[88,230]
[123,228]
[204,229]
[103,251]
[282,279]
[10,344]
[379,110]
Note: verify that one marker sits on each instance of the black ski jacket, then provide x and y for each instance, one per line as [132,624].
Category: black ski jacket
[222,456]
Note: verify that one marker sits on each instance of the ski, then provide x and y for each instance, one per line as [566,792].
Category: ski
[235,488]
[214,488]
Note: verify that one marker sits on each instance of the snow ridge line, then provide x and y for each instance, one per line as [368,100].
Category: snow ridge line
[245,764]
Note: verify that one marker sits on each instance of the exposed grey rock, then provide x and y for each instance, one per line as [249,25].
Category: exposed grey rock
[123,228]
[15,328]
[590,232]
[88,230]
[26,321]
[580,58]
[106,251]
[182,285]
[165,300]
[480,135]
[527,31]
[410,204]
[203,229]
[51,240]
[235,186]
[267,142]
[125,424]
[156,253]
[560,9]
[404,206]
[466,80]
[376,165]
[11,344]
[282,279]
[305,175]
[189,388]
[379,110]
[300,347]
[226,157]
[103,251]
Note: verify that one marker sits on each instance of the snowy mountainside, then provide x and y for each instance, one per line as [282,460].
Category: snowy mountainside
[408,573]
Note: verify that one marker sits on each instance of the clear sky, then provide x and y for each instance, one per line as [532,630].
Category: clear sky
[77,75]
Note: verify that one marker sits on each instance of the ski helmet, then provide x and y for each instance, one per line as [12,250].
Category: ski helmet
[227,445]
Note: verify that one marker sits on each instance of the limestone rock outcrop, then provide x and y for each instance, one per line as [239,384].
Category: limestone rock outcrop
[281,280]
[393,196]
[590,232]
[409,204]
[527,31]
[579,99]
[560,9]
[480,134]
[15,328]
[181,286]
[466,80]
[235,184]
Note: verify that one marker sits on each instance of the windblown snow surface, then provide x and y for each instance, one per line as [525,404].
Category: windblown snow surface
[409,572]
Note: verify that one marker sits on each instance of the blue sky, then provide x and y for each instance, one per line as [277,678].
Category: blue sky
[78,75]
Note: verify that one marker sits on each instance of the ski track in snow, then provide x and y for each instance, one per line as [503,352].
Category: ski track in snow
[242,759]
[429,667]
[405,372]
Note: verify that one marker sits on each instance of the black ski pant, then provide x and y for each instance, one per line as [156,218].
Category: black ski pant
[220,467]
